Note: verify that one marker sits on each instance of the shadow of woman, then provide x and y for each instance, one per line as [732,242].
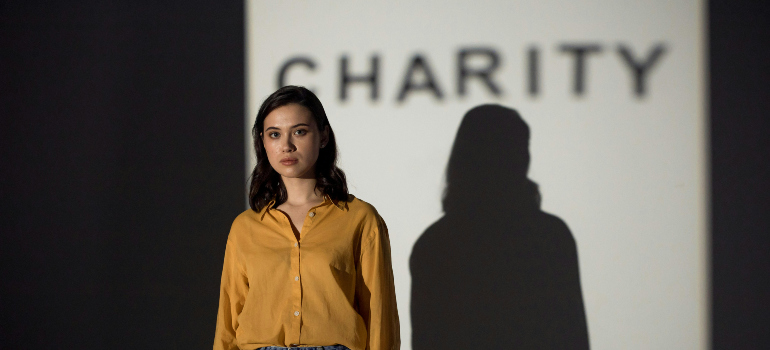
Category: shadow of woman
[495,271]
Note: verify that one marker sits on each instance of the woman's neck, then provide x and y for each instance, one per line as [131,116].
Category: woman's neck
[301,191]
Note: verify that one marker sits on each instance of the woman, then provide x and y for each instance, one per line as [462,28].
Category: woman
[308,265]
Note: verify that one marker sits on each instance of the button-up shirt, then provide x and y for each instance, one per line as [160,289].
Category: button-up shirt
[332,286]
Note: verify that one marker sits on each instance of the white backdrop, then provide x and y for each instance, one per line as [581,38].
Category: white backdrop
[626,172]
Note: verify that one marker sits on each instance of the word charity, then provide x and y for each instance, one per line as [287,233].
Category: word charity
[477,64]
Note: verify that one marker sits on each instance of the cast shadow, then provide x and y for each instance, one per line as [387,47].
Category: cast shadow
[495,271]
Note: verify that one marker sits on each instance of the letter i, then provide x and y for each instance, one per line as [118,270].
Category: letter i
[533,63]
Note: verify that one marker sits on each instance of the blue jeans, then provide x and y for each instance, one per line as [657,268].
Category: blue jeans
[328,347]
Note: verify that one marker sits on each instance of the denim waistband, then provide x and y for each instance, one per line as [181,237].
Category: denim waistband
[328,347]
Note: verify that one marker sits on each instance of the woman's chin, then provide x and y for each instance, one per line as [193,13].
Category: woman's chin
[294,174]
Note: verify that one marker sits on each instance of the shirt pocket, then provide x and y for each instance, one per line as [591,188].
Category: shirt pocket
[342,262]
[343,267]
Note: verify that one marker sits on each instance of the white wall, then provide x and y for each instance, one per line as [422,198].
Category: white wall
[626,173]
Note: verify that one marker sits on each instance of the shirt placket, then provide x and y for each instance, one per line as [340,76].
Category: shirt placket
[296,294]
[296,289]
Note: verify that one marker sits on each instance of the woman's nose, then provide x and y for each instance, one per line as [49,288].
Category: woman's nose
[287,145]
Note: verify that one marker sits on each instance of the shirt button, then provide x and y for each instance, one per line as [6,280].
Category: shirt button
[312,214]
[296,278]
[296,313]
[295,244]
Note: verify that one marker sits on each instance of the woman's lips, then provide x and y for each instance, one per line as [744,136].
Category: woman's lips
[289,161]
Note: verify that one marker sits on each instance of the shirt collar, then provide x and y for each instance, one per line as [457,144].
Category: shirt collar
[266,209]
[341,205]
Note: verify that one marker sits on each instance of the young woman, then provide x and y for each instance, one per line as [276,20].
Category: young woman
[308,266]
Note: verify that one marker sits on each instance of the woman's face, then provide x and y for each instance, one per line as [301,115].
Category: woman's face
[292,141]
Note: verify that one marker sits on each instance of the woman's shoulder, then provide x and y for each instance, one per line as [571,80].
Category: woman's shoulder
[246,216]
[243,221]
[358,206]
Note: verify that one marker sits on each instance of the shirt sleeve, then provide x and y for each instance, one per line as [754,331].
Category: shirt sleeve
[375,290]
[232,294]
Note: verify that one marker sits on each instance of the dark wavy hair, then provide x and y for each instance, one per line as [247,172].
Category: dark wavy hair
[266,183]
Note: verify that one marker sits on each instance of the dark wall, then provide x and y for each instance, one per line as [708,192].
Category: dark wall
[740,102]
[122,169]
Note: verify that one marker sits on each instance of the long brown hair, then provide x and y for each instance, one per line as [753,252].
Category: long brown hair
[266,184]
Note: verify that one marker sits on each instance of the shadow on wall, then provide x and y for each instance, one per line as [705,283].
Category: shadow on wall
[495,270]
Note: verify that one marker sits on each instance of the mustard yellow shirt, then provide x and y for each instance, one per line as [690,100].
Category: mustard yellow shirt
[333,286]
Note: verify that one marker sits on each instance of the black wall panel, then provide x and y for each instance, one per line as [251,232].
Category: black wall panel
[122,158]
[740,101]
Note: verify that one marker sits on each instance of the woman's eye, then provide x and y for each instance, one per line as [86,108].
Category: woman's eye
[300,132]
[273,135]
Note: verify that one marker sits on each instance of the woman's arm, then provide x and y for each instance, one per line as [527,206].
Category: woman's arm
[232,294]
[375,290]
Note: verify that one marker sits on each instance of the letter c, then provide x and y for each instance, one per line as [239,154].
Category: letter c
[291,62]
